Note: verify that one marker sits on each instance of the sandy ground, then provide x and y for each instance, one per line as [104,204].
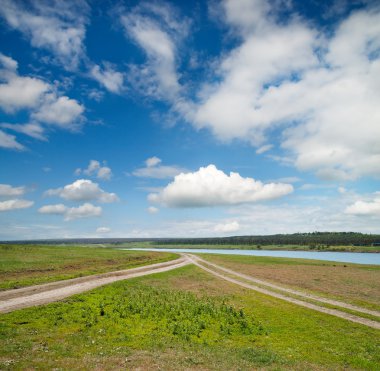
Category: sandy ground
[280,293]
[42,294]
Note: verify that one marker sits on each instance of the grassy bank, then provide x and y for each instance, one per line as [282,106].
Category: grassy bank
[354,283]
[182,319]
[25,265]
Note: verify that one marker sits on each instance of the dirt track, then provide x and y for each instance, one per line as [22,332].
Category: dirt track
[42,294]
[205,265]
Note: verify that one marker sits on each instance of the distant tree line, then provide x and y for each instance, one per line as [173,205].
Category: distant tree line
[309,239]
[314,238]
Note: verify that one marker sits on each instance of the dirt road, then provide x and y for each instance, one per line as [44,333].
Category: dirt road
[281,292]
[42,294]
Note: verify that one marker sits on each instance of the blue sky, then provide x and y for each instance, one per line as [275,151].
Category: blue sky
[197,118]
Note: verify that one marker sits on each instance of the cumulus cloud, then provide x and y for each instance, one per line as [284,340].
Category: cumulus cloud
[86,210]
[21,92]
[95,169]
[56,26]
[57,209]
[42,101]
[268,55]
[227,227]
[7,190]
[319,91]
[18,92]
[212,187]
[15,204]
[111,79]
[157,30]
[62,111]
[156,171]
[83,190]
[365,207]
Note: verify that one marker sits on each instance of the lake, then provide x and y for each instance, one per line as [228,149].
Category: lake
[342,257]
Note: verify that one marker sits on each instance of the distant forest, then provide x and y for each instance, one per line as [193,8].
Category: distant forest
[315,238]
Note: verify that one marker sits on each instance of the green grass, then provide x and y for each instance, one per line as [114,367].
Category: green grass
[182,319]
[25,265]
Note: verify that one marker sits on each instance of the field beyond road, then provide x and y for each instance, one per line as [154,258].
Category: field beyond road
[353,283]
[26,265]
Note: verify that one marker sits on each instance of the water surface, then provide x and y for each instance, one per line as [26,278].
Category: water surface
[342,257]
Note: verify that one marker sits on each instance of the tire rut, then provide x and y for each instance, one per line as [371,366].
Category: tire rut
[335,312]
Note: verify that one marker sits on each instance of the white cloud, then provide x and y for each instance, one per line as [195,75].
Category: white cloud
[33,130]
[86,210]
[21,92]
[319,91]
[227,227]
[57,26]
[211,187]
[264,149]
[111,79]
[7,190]
[8,63]
[42,101]
[152,161]
[102,230]
[152,210]
[157,30]
[83,190]
[57,209]
[18,92]
[95,168]
[104,173]
[156,171]
[365,207]
[268,55]
[9,141]
[15,204]
[60,111]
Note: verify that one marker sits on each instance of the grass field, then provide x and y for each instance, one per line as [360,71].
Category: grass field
[25,265]
[354,283]
[182,319]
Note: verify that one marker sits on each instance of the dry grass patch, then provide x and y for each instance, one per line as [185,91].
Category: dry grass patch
[358,284]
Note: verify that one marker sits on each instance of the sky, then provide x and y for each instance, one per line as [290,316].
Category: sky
[188,118]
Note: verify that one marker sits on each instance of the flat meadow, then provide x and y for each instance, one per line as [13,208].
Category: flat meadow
[184,319]
[26,265]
